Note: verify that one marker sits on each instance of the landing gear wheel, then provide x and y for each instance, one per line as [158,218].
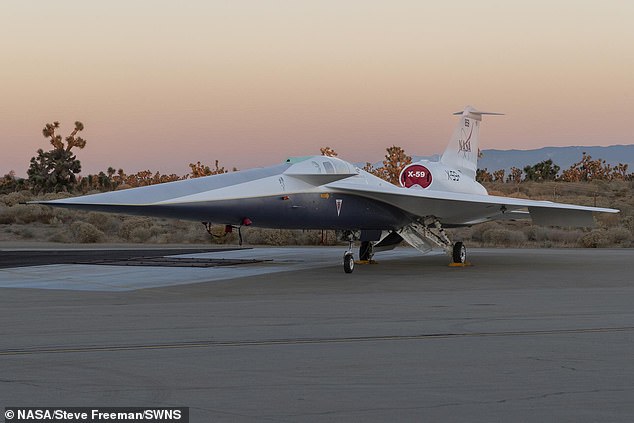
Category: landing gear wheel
[365,251]
[348,263]
[459,253]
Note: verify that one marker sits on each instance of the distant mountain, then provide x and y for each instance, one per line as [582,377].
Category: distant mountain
[564,157]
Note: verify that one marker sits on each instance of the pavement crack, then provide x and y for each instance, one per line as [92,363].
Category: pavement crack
[59,349]
[560,393]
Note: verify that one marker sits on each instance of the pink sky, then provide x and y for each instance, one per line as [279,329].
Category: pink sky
[160,84]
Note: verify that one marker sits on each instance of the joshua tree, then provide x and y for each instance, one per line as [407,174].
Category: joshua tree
[395,161]
[199,169]
[483,175]
[55,170]
[590,170]
[498,175]
[515,175]
[542,171]
[328,152]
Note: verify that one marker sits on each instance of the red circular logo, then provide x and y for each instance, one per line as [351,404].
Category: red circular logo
[415,175]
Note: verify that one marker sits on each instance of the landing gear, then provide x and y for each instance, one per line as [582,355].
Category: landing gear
[366,251]
[228,229]
[425,233]
[348,257]
[348,262]
[459,253]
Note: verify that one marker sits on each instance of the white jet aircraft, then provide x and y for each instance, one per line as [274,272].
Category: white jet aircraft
[318,192]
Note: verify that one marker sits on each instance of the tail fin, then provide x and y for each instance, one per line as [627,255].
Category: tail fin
[462,151]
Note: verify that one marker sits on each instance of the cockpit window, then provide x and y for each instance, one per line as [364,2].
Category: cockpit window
[317,167]
[328,167]
[341,167]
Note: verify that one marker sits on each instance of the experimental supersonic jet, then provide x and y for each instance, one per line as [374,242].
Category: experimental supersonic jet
[319,192]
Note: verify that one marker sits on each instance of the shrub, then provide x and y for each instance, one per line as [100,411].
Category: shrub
[594,239]
[607,220]
[518,195]
[262,236]
[24,214]
[537,233]
[60,236]
[140,234]
[106,223]
[618,235]
[564,236]
[130,224]
[501,236]
[628,221]
[477,232]
[197,234]
[86,233]
[6,215]
[15,198]
[26,233]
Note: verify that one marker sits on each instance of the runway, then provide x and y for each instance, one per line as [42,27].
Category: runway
[128,270]
[523,335]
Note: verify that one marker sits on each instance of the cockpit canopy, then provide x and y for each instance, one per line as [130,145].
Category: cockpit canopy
[317,165]
[320,170]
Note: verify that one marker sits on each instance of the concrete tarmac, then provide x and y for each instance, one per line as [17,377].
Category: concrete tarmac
[523,335]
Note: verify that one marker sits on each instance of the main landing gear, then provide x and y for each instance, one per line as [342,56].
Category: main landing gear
[423,234]
[427,233]
[459,253]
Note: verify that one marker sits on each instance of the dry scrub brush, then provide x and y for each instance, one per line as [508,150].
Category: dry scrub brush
[41,223]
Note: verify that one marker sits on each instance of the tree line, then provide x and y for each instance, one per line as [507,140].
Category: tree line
[585,170]
[58,169]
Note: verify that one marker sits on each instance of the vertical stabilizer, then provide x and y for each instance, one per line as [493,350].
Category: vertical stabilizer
[462,151]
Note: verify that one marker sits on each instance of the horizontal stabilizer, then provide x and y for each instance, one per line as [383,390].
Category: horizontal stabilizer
[476,112]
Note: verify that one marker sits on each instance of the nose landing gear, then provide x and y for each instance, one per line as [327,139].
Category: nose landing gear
[348,256]
[348,262]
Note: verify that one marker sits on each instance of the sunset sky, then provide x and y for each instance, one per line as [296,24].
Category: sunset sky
[160,84]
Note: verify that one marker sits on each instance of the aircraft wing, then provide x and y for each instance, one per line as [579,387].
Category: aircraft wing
[468,209]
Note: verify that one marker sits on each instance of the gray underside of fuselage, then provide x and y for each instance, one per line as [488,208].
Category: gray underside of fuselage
[298,211]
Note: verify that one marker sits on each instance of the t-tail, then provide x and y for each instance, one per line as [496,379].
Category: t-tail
[462,152]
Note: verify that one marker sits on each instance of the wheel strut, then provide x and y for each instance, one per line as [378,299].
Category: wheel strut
[366,251]
[348,256]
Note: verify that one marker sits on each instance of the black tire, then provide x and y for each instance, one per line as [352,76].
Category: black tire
[365,251]
[348,263]
[459,253]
